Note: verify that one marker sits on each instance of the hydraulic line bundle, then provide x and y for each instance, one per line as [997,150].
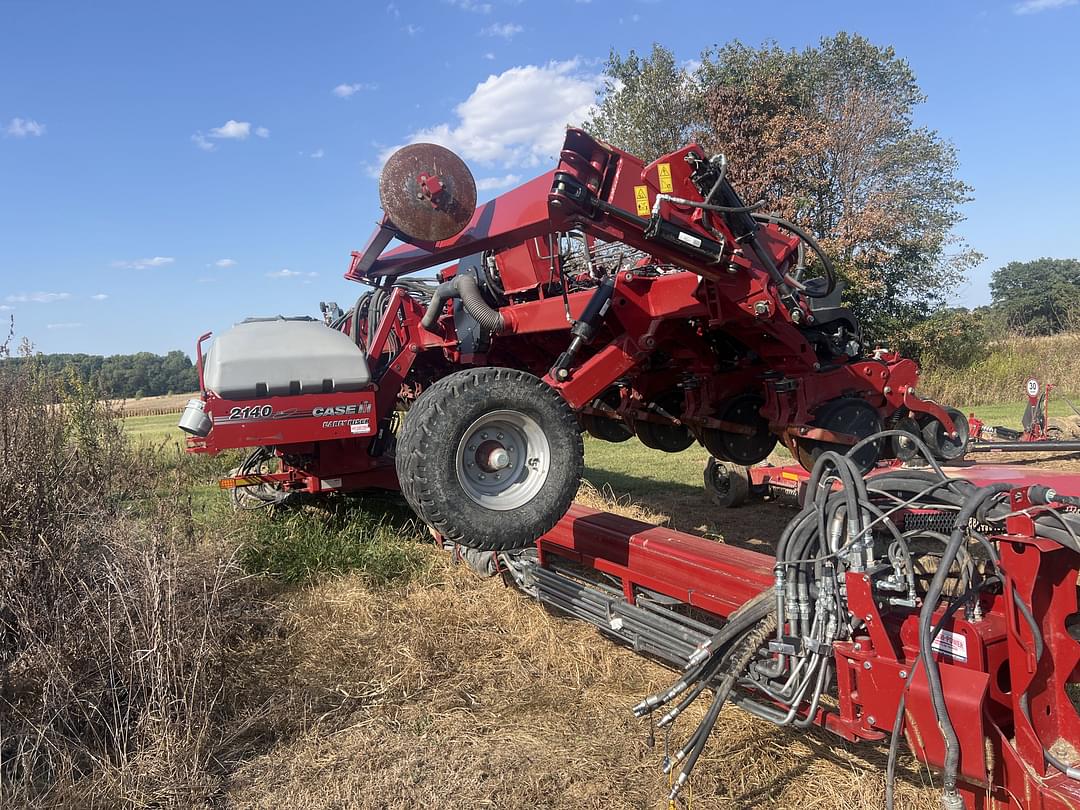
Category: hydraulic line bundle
[776,655]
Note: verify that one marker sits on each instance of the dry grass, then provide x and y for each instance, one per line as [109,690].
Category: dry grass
[459,692]
[114,624]
[1001,375]
[151,406]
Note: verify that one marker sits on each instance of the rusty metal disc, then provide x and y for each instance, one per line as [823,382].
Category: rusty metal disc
[427,192]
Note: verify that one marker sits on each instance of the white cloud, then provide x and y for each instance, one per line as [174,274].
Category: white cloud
[38,297]
[492,183]
[318,154]
[504,30]
[393,9]
[231,130]
[517,118]
[412,30]
[238,130]
[489,55]
[24,127]
[225,263]
[1035,6]
[471,5]
[346,90]
[5,308]
[99,297]
[285,272]
[64,325]
[144,264]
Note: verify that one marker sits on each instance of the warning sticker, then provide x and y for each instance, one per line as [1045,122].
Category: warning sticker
[953,645]
[663,170]
[641,196]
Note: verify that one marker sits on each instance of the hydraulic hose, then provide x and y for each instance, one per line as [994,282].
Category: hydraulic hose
[952,743]
[465,288]
[826,263]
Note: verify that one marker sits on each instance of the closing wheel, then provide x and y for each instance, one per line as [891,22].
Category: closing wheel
[943,446]
[603,427]
[666,436]
[727,484]
[490,458]
[855,417]
[745,449]
[904,447]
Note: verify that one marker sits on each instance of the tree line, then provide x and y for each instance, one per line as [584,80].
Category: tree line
[826,137]
[122,376]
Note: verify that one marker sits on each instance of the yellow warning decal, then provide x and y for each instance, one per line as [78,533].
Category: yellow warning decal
[664,172]
[641,195]
[789,476]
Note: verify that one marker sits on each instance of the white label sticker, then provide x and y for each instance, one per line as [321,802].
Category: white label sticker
[689,238]
[953,645]
[330,483]
[360,426]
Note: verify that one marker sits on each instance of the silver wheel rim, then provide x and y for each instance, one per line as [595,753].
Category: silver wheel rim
[503,460]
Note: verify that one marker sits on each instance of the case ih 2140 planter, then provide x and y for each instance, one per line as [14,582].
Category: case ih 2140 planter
[628,299]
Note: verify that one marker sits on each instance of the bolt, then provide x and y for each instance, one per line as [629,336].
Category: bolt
[867,618]
[499,436]
[483,435]
[857,646]
[871,720]
[482,476]
[472,448]
[887,389]
[903,673]
[761,308]
[470,464]
[865,664]
[497,476]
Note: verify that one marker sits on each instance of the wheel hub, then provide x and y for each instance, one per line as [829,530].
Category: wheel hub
[503,460]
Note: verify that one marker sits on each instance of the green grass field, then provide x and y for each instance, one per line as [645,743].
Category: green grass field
[154,429]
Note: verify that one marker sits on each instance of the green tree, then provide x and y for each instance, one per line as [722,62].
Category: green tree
[649,106]
[121,375]
[826,137]
[953,338]
[1039,297]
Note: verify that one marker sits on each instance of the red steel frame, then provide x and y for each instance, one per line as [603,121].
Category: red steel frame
[595,190]
[984,669]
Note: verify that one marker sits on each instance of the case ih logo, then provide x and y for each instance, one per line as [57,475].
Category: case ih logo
[341,410]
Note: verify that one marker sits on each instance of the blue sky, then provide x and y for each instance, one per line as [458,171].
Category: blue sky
[168,168]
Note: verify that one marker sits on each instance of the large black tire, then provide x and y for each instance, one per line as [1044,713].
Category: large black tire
[490,458]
